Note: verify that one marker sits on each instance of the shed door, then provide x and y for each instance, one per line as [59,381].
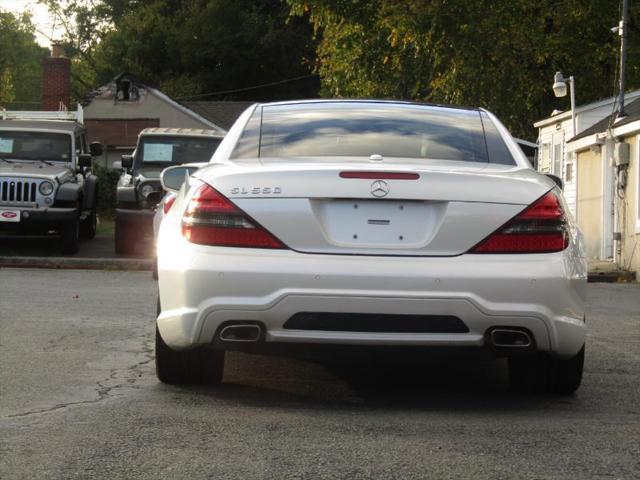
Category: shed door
[590,200]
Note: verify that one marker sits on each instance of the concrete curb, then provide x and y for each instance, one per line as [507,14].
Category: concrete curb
[79,263]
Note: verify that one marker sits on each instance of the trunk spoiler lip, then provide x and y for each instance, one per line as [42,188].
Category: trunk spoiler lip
[311,164]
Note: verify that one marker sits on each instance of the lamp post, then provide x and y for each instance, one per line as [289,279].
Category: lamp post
[560,90]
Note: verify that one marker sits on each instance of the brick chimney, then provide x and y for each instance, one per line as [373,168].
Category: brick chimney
[56,80]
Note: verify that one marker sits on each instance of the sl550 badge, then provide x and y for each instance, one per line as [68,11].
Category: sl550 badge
[256,191]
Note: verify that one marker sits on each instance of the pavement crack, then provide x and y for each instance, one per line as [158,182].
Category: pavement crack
[58,406]
[102,389]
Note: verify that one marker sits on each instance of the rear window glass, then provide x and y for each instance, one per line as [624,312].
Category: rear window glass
[164,149]
[496,148]
[358,129]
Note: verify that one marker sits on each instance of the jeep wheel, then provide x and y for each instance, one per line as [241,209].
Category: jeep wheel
[543,374]
[123,239]
[88,226]
[199,366]
[69,237]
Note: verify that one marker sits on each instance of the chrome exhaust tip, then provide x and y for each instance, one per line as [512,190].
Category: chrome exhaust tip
[503,337]
[241,332]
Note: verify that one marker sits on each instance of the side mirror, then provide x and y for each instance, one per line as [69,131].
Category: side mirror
[558,181]
[127,161]
[95,148]
[84,160]
[172,178]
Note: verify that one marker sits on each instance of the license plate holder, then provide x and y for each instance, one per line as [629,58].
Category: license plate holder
[9,215]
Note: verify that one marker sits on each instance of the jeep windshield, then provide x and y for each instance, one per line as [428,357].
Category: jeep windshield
[164,150]
[46,146]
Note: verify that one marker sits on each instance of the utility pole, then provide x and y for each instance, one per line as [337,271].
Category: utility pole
[622,31]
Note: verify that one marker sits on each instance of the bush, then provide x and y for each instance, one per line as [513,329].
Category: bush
[107,181]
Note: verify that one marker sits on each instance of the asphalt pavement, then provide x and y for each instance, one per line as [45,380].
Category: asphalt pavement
[79,399]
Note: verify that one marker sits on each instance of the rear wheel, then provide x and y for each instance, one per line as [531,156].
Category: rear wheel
[89,226]
[198,366]
[69,237]
[543,374]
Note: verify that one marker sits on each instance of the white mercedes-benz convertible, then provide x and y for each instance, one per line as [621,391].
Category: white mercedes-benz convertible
[367,224]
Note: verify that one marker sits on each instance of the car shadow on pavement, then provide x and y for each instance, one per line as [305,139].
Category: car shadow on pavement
[429,385]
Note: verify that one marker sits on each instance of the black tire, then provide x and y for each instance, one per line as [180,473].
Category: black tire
[70,237]
[198,366]
[123,239]
[89,226]
[543,374]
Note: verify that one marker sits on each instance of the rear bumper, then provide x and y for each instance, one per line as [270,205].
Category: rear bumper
[40,220]
[203,287]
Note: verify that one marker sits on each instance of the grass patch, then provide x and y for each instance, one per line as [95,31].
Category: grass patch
[106,226]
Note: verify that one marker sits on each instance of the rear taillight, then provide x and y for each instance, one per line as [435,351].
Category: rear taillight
[541,228]
[167,203]
[212,219]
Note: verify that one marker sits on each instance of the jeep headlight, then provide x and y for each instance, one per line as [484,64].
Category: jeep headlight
[46,188]
[146,191]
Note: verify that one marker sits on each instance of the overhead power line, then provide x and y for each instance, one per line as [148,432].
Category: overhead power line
[244,89]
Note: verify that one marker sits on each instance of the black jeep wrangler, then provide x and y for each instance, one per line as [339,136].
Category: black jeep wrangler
[46,184]
[139,189]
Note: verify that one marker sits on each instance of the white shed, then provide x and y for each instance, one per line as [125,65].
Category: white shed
[555,131]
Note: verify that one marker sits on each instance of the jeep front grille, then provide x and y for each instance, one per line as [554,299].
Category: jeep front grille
[18,190]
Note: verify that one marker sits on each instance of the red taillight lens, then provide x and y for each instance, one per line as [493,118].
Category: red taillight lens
[167,203]
[212,219]
[541,228]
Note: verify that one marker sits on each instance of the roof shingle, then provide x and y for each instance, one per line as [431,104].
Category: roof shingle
[632,111]
[223,114]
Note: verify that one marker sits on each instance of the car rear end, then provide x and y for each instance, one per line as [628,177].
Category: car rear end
[384,250]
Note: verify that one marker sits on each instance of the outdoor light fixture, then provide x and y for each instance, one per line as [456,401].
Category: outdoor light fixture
[559,85]
[560,90]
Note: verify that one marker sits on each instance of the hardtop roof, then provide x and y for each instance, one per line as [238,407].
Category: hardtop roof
[183,132]
[61,125]
[366,101]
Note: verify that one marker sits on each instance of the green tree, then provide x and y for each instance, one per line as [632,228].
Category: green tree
[190,47]
[498,54]
[20,62]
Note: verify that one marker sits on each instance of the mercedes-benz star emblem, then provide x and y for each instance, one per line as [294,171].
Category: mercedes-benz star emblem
[379,188]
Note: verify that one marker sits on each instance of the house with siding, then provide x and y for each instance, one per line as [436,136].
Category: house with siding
[607,155]
[115,114]
[555,131]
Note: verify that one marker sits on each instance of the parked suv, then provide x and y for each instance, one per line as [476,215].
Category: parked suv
[139,188]
[45,180]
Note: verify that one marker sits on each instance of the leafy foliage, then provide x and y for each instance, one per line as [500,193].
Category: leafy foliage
[189,47]
[20,61]
[498,54]
[107,182]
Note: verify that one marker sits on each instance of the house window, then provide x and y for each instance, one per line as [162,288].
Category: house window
[557,160]
[544,159]
[568,173]
[126,91]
